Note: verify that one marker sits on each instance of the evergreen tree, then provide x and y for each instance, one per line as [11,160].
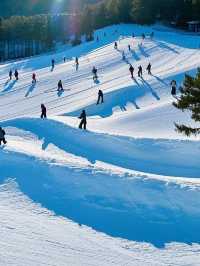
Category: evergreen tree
[190,100]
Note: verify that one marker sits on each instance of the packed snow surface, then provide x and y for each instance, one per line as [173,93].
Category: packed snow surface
[124,192]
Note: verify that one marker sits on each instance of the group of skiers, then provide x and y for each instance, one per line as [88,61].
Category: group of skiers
[16,74]
[140,70]
[83,116]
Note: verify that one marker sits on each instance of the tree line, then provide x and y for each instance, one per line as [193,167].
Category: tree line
[29,35]
[38,33]
[140,11]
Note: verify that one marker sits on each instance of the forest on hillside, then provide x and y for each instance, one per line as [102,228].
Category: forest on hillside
[58,20]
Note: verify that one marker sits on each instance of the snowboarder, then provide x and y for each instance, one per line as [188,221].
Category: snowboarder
[10,74]
[140,71]
[94,71]
[100,97]
[60,86]
[2,136]
[34,78]
[83,118]
[43,111]
[173,89]
[131,69]
[116,46]
[149,68]
[16,74]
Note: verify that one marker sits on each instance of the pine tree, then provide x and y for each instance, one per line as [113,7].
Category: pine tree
[190,100]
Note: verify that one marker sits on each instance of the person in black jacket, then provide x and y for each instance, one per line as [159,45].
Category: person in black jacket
[94,71]
[149,68]
[131,69]
[173,87]
[140,71]
[52,63]
[43,111]
[2,136]
[60,86]
[16,74]
[77,63]
[83,118]
[100,97]
[10,74]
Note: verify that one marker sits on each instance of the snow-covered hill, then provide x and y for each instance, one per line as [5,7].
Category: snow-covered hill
[125,192]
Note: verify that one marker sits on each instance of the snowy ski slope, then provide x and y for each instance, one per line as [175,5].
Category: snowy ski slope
[125,192]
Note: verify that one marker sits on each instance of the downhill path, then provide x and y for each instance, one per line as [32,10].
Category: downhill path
[130,176]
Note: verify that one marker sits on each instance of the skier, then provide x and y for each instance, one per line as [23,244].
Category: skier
[173,87]
[77,63]
[100,97]
[43,111]
[140,71]
[129,47]
[10,74]
[94,71]
[83,118]
[64,59]
[131,69]
[2,136]
[60,86]
[149,68]
[123,56]
[143,36]
[34,78]
[116,46]
[52,64]
[181,89]
[16,74]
